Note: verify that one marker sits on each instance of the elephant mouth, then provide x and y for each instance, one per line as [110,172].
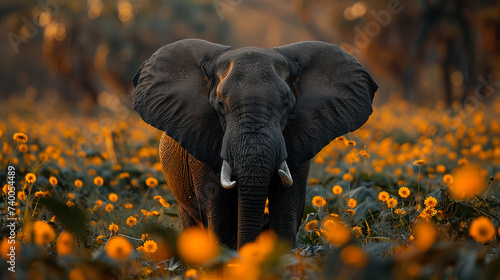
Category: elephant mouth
[227,183]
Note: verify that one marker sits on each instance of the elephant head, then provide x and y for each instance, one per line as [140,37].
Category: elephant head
[253,112]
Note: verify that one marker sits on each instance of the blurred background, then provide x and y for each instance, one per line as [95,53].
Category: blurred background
[85,52]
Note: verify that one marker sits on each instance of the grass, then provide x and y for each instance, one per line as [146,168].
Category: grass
[416,196]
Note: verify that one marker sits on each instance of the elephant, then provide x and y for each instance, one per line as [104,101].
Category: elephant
[241,127]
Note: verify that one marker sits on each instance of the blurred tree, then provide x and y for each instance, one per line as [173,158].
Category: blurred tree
[425,44]
[96,45]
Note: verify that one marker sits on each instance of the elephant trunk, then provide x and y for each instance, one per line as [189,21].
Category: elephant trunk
[251,204]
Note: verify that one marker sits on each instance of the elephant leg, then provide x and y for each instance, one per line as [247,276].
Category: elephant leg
[286,204]
[218,205]
[174,161]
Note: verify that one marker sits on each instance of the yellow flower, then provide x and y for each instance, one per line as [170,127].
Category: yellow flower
[337,189]
[119,248]
[30,178]
[430,202]
[352,203]
[311,226]
[78,183]
[108,207]
[392,202]
[98,181]
[383,196]
[318,201]
[197,246]
[71,195]
[150,246]
[113,227]
[69,203]
[131,221]
[53,180]
[354,256]
[482,230]
[404,192]
[151,182]
[420,162]
[128,206]
[20,137]
[157,197]
[43,232]
[124,175]
[145,212]
[448,179]
[65,243]
[98,203]
[113,197]
[6,188]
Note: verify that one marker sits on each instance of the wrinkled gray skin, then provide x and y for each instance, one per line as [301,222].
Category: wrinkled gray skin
[254,111]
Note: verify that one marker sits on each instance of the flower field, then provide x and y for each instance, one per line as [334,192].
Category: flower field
[413,194]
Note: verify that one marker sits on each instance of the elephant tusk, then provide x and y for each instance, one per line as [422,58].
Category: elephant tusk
[285,175]
[225,176]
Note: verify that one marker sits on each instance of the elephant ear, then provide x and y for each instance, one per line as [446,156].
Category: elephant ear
[171,94]
[334,96]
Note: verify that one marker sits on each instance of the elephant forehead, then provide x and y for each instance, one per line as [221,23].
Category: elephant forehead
[250,57]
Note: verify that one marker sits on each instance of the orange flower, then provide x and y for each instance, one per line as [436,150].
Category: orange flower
[119,248]
[337,189]
[441,168]
[23,148]
[448,179]
[21,195]
[424,234]
[151,182]
[430,202]
[354,256]
[64,243]
[108,207]
[98,181]
[128,206]
[336,232]
[352,203]
[197,246]
[30,178]
[383,196]
[404,192]
[131,221]
[392,202]
[482,230]
[113,197]
[468,182]
[420,162]
[78,183]
[20,137]
[44,233]
[318,201]
[113,227]
[150,246]
[53,180]
[311,226]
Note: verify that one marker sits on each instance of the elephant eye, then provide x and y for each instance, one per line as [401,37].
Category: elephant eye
[285,104]
[221,106]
